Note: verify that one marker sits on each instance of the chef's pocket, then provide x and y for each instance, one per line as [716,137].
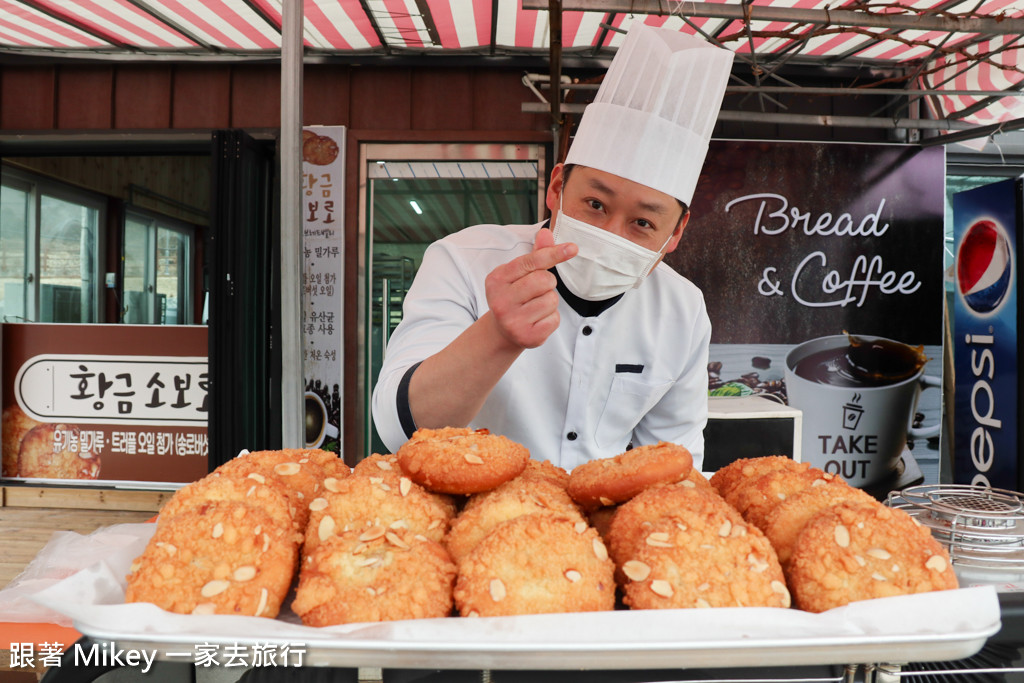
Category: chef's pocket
[628,401]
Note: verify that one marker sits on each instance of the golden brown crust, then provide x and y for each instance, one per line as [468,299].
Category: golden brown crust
[362,502]
[755,498]
[300,470]
[534,477]
[704,559]
[378,465]
[536,564]
[700,481]
[786,520]
[859,551]
[744,469]
[221,557]
[401,576]
[39,455]
[461,461]
[543,469]
[633,519]
[385,469]
[610,481]
[269,495]
[486,511]
[601,519]
[331,463]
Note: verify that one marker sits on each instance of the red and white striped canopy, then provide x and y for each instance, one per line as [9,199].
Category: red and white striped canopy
[954,59]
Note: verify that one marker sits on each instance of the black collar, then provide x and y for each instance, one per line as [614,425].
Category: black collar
[584,308]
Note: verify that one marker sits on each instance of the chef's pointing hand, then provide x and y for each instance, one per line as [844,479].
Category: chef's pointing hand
[521,293]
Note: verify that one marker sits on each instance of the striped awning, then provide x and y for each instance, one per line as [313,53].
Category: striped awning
[970,51]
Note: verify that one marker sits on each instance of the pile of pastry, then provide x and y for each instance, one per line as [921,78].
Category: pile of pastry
[464,522]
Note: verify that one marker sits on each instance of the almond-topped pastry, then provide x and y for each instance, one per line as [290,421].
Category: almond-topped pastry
[536,564]
[858,551]
[302,471]
[703,557]
[610,481]
[485,511]
[361,502]
[460,460]
[357,577]
[786,520]
[221,557]
[634,519]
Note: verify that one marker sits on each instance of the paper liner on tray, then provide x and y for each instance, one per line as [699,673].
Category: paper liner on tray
[94,599]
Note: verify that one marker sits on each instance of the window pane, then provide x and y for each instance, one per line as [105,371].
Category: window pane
[136,307]
[171,276]
[67,248]
[14,213]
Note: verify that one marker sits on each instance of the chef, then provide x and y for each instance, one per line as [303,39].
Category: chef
[572,337]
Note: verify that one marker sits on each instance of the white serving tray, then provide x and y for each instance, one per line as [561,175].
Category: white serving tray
[356,649]
[938,626]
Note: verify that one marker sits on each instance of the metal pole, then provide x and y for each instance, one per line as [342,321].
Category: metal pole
[996,25]
[542,81]
[800,119]
[555,38]
[292,380]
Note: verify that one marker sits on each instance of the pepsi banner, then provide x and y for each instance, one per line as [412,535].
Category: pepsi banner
[987,233]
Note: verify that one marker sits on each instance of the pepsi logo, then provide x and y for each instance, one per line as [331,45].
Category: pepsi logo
[984,267]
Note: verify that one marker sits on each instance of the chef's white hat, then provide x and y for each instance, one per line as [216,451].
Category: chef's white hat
[654,112]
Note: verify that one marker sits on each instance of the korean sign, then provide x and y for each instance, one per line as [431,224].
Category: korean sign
[323,187]
[80,402]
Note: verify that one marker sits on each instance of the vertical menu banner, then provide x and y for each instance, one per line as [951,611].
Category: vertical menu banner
[323,187]
[104,404]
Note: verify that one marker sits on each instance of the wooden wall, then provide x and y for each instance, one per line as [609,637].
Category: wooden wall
[70,97]
[375,103]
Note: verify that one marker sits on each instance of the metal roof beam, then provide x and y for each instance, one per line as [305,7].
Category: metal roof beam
[494,27]
[805,119]
[375,25]
[921,22]
[428,22]
[865,44]
[813,90]
[258,11]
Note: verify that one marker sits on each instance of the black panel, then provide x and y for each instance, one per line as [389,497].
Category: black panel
[729,440]
[244,284]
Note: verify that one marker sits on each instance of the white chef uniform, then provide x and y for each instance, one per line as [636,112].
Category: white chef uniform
[627,371]
[633,373]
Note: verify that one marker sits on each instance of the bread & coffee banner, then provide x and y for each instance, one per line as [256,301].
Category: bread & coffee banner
[104,403]
[822,268]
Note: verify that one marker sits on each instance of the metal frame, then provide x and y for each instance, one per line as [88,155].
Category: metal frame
[414,151]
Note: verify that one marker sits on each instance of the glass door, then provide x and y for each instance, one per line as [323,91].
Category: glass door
[414,195]
[157,276]
[16,219]
[50,246]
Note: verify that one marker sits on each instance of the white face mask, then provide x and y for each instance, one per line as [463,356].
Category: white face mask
[607,265]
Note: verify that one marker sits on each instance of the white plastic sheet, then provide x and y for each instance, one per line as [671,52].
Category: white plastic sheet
[923,627]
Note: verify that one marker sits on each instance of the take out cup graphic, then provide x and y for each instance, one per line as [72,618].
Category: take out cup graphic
[318,425]
[858,395]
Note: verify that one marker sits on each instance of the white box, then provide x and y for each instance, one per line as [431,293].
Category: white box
[749,427]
